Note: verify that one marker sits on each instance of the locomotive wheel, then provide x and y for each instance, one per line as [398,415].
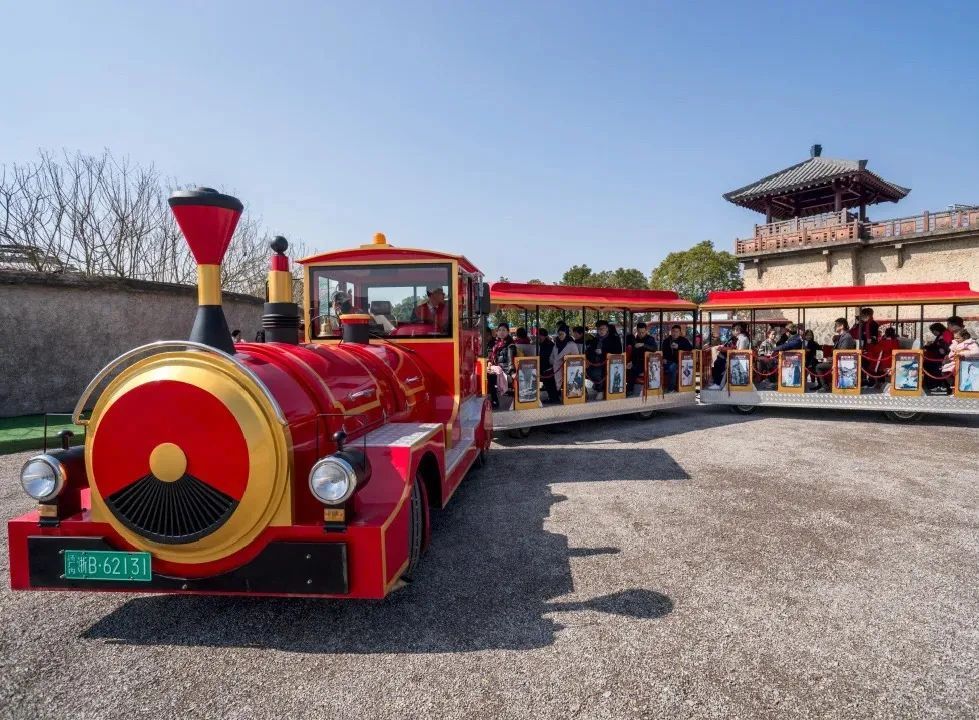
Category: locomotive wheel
[902,416]
[743,409]
[416,527]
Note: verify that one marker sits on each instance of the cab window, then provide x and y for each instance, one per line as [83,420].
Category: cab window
[402,300]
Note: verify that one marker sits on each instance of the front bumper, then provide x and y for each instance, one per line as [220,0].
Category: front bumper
[281,568]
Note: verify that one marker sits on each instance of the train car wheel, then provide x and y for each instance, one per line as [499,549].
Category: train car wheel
[743,409]
[416,527]
[519,433]
[904,416]
[482,458]
[645,414]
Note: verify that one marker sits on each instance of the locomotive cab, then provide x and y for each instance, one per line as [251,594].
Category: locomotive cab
[426,303]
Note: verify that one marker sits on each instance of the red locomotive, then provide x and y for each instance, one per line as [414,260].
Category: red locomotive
[277,468]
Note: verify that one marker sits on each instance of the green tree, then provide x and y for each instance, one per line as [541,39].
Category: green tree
[578,275]
[695,272]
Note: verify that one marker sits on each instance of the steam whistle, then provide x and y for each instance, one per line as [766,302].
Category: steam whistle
[208,220]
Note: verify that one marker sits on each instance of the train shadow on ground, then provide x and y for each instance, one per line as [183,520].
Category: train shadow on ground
[491,579]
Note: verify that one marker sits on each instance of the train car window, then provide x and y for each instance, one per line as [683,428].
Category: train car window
[411,300]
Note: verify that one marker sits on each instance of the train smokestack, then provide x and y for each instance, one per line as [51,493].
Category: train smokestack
[280,317]
[208,220]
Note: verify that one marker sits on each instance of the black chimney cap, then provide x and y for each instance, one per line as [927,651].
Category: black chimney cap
[205,196]
[816,150]
[279,244]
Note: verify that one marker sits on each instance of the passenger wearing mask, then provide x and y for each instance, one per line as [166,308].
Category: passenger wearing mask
[606,342]
[844,341]
[545,349]
[671,347]
[563,346]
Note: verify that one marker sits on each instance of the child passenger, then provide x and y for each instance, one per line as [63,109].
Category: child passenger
[963,346]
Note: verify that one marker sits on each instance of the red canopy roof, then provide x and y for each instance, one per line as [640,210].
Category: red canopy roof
[527,295]
[863,295]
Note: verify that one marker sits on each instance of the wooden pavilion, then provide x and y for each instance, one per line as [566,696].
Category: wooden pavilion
[816,186]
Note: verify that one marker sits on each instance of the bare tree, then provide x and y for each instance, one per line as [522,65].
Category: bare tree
[99,215]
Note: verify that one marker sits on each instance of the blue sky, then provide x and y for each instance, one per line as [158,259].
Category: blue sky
[528,136]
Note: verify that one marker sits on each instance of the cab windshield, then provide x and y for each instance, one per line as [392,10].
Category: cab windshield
[402,300]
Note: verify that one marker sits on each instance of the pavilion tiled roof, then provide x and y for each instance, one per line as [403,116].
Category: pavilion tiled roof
[810,174]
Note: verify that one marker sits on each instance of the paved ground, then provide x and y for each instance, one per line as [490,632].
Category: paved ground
[698,565]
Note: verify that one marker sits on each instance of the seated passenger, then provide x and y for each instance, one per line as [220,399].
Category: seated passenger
[500,361]
[866,330]
[954,322]
[739,341]
[843,341]
[811,347]
[637,346]
[525,348]
[780,335]
[878,360]
[563,346]
[434,311]
[671,347]
[963,346]
[767,362]
[545,349]
[934,354]
[793,340]
[580,338]
[606,343]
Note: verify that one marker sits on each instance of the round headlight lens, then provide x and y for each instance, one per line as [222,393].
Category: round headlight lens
[332,480]
[42,477]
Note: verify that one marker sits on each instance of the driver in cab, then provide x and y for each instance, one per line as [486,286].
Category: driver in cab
[434,311]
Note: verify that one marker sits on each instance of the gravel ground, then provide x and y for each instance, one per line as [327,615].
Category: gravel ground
[701,564]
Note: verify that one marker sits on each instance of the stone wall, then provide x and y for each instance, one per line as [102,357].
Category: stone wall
[874,264]
[954,259]
[60,330]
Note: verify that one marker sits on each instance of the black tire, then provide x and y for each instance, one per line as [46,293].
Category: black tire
[481,458]
[524,432]
[902,416]
[743,409]
[519,433]
[645,414]
[416,527]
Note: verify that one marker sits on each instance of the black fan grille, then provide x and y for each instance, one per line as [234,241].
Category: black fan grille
[175,512]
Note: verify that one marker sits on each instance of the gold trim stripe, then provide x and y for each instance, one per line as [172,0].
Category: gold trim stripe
[208,284]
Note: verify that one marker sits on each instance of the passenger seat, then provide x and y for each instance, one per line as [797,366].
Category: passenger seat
[380,311]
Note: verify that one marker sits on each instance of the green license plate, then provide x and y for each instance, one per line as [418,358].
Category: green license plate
[107,565]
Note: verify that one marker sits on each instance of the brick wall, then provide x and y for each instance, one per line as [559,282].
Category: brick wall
[60,330]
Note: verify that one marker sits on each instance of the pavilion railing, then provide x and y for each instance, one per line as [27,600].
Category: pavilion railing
[839,228]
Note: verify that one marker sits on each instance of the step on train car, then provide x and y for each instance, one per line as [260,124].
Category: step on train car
[277,468]
[871,348]
[643,367]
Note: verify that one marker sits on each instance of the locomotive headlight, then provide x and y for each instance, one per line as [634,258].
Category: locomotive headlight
[333,480]
[43,477]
